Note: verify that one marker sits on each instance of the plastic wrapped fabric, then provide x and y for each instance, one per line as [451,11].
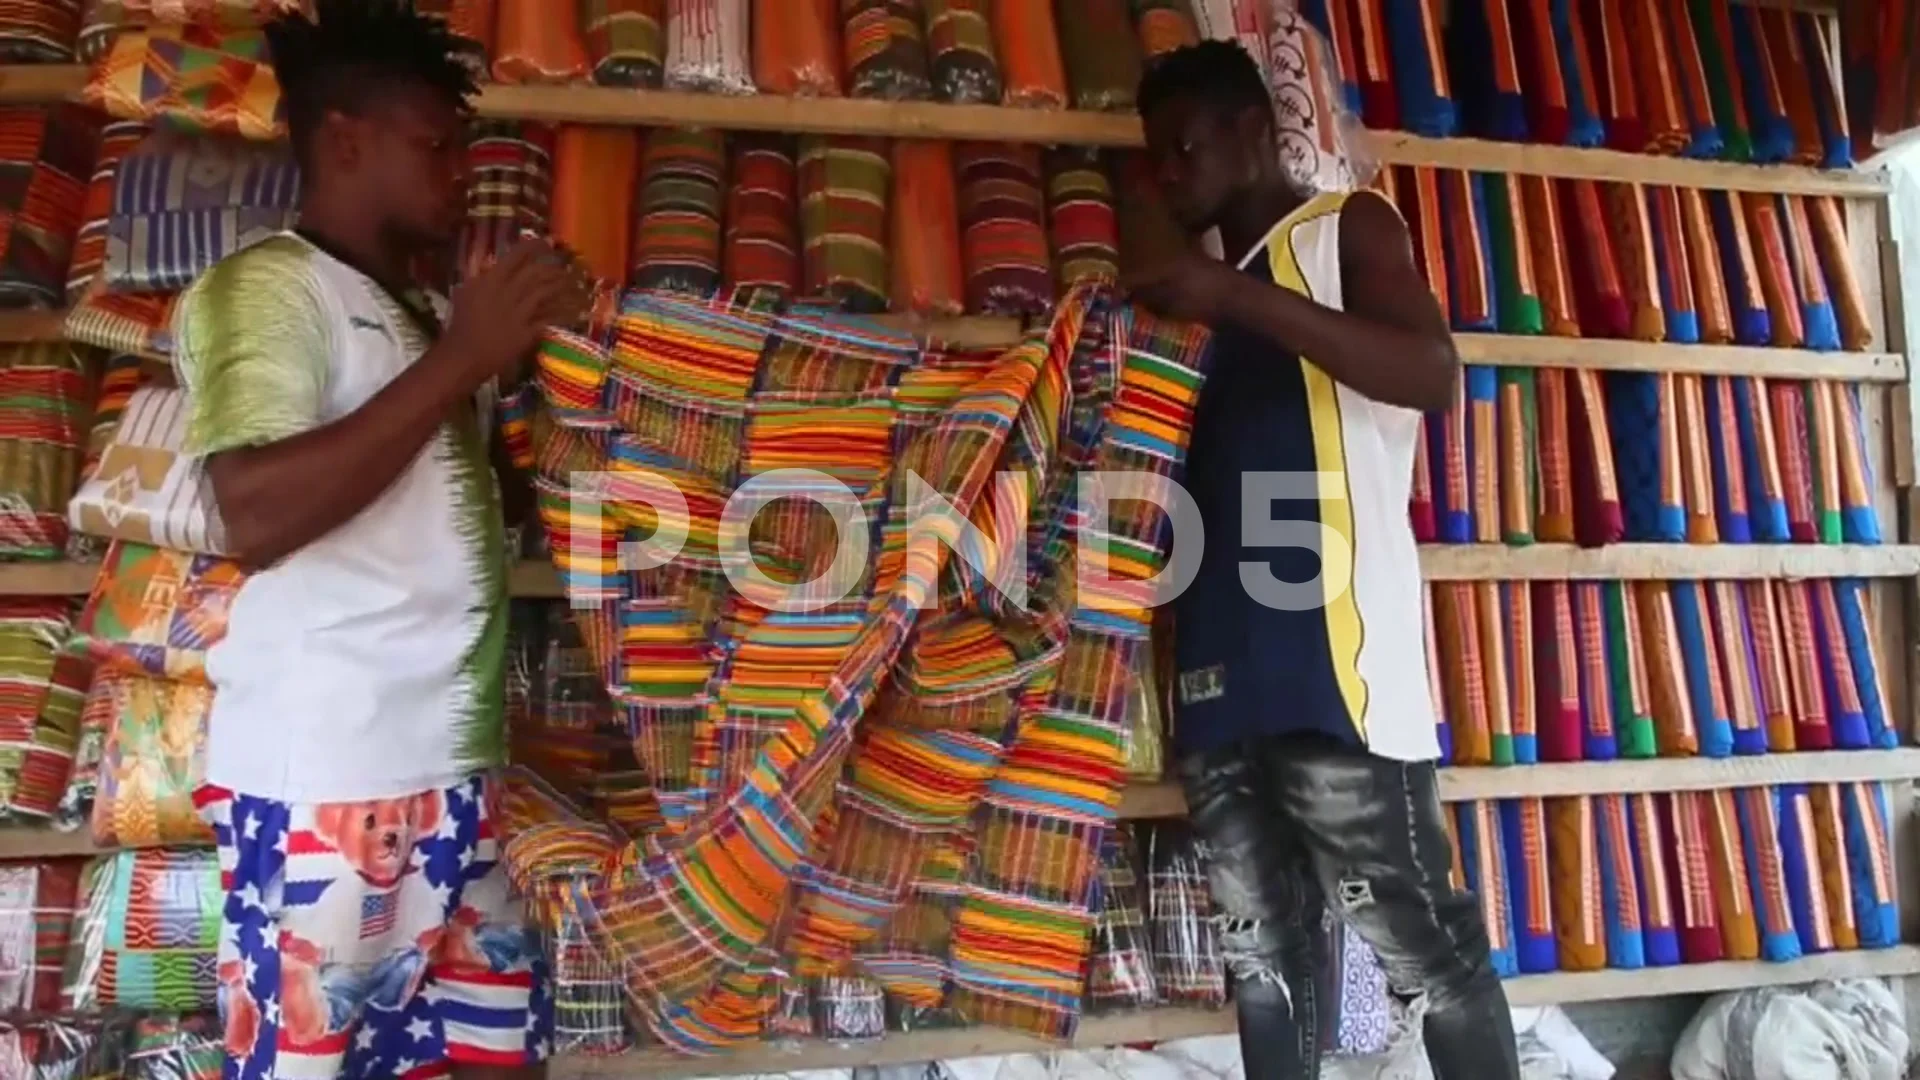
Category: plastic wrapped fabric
[1629,671]
[844,184]
[1673,269]
[1556,513]
[146,932]
[762,249]
[1120,973]
[1004,232]
[196,79]
[1600,293]
[1840,683]
[1773,684]
[1456,622]
[156,611]
[885,49]
[509,189]
[1469,251]
[1800,651]
[71,1048]
[1727,615]
[796,47]
[155,758]
[1580,933]
[1517,412]
[1788,66]
[1482,48]
[589,1001]
[1480,855]
[169,1047]
[1101,53]
[1517,292]
[1824,462]
[1699,504]
[964,66]
[45,398]
[928,278]
[1676,728]
[1702,678]
[848,1009]
[1759,814]
[1810,833]
[626,41]
[1866,816]
[75,808]
[1733,506]
[1556,672]
[182,205]
[1164,25]
[1788,402]
[39,31]
[1774,270]
[1081,219]
[46,187]
[1031,66]
[1446,436]
[1656,78]
[117,140]
[122,323]
[1481,441]
[1859,519]
[41,720]
[1146,725]
[676,231]
[1818,319]
[103,20]
[1694,92]
[533,43]
[1419,71]
[593,190]
[146,489]
[37,901]
[1319,140]
[707,46]
[1636,257]
[1489,626]
[1188,966]
[1515,605]
[1826,83]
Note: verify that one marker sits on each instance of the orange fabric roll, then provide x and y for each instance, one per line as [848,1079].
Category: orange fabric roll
[1493,653]
[1739,926]
[1552,273]
[1674,727]
[1578,924]
[1776,270]
[593,179]
[1703,262]
[1696,460]
[1633,253]
[1843,285]
[536,44]
[1795,70]
[1463,663]
[1418,190]
[796,47]
[1770,664]
[1552,450]
[1031,68]
[1657,78]
[1829,829]
[928,277]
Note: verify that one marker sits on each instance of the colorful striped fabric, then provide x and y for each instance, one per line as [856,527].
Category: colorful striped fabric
[46,158]
[1740,266]
[1120,972]
[1598,741]
[1705,681]
[1621,909]
[1446,438]
[1516,601]
[1766,107]
[1698,499]
[1523,827]
[1628,667]
[1003,240]
[1794,437]
[1760,454]
[1546,76]
[1823,453]
[509,189]
[1467,677]
[1417,194]
[146,933]
[46,393]
[1830,238]
[1773,260]
[844,184]
[1549,263]
[1774,685]
[965,66]
[1101,52]
[1828,86]
[200,79]
[1812,730]
[1553,457]
[180,207]
[1637,258]
[38,31]
[102,21]
[1598,288]
[1484,865]
[1713,32]
[1859,519]
[1579,895]
[796,45]
[1826,822]
[1732,639]
[1802,870]
[1490,625]
[1436,686]
[1419,68]
[1853,604]
[1659,928]
[1515,284]
[154,759]
[1760,824]
[1656,78]
[1703,260]
[122,323]
[1376,73]
[928,276]
[676,231]
[1683,814]
[1485,56]
[1792,68]
[117,140]
[1613,65]
[594,170]
[37,901]
[1866,809]
[1599,515]
[1644,419]
[1819,321]
[1672,269]
[762,246]
[40,690]
[1695,93]
[625,42]
[1028,42]
[1675,720]
[1519,438]
[1839,682]
[1469,251]
[885,50]
[1557,660]
[1482,444]
[1081,220]
[1733,891]
[156,612]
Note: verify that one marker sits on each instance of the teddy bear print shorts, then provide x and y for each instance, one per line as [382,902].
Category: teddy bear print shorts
[372,939]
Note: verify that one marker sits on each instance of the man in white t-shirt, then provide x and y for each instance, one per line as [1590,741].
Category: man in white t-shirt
[367,929]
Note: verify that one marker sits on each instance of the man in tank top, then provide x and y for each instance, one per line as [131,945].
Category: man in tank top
[1304,731]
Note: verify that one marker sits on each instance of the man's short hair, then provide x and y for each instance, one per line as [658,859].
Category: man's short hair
[1218,74]
[354,50]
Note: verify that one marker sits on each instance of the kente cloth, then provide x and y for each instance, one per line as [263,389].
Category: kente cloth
[1828,223]
[1571,37]
[1469,678]
[41,687]
[46,159]
[1446,434]
[928,276]
[146,488]
[965,65]
[1834,888]
[1189,968]
[156,611]
[92,1047]
[1766,107]
[1469,251]
[38,31]
[1824,460]
[745,717]
[146,931]
[155,757]
[1818,319]
[624,40]
[1827,84]
[1003,222]
[117,140]
[1515,599]
[1628,668]
[1515,282]
[1812,726]
[36,915]
[1028,41]
[1698,240]
[1772,259]
[1732,640]
[796,47]
[46,392]
[138,324]
[75,807]
[1164,25]
[1546,240]
[1705,685]
[180,206]
[1481,866]
[1679,310]
[1675,724]
[1758,812]
[676,228]
[1120,970]
[168,1047]
[1556,680]
[1852,603]
[1770,662]
[1656,78]
[1793,433]
[1713,31]
[1690,873]
[885,48]
[1519,445]
[509,189]
[707,46]
[1579,922]
[1598,517]
[1417,194]
[530,45]
[1598,286]
[844,185]
[1659,932]
[1482,438]
[197,78]
[1732,885]
[1866,816]
[1610,40]
[1545,75]
[1622,914]
[1690,76]
[1804,873]
[1792,68]
[1082,223]
[103,20]
[1644,420]
[1741,269]
[1690,442]
[594,169]
[1482,53]
[1846,712]
[1101,53]
[1733,506]
[1637,258]
[1759,452]
[1523,828]
[761,249]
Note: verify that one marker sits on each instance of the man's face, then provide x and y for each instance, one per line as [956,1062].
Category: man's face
[408,155]
[1200,158]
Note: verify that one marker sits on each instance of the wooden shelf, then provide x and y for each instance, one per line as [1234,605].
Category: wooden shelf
[916,119]
[17,842]
[30,327]
[1553,562]
[1603,354]
[47,578]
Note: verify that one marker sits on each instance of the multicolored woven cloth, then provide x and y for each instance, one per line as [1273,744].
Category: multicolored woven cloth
[146,933]
[198,78]
[814,768]
[181,206]
[46,159]
[38,31]
[44,393]
[41,691]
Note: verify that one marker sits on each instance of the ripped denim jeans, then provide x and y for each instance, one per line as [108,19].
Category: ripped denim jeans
[1291,824]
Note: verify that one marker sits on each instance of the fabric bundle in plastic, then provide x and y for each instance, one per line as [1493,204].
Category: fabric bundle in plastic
[1554,522]
[589,1006]
[1656,78]
[1523,827]
[1081,220]
[885,49]
[1613,66]
[1758,811]
[37,901]
[1164,25]
[1426,105]
[1468,667]
[1740,265]
[1317,137]
[1101,53]
[844,184]
[1801,865]
[117,140]
[1417,194]
[1827,86]
[1622,909]
[1823,461]
[1599,515]
[1766,107]
[1788,401]
[154,760]
[1556,672]
[1580,934]
[1571,37]
[1676,727]
[1469,251]
[676,231]
[593,190]
[1839,682]
[1519,442]
[1713,34]
[1659,930]
[40,721]
[762,247]
[1774,268]
[533,43]
[1828,224]
[38,31]
[1732,881]
[963,62]
[45,396]
[1728,630]
[928,277]
[1834,888]
[1482,864]
[1689,868]
[1516,731]
[1598,286]
[1517,292]
[1702,680]
[626,40]
[146,489]
[707,46]
[1033,73]
[1547,255]
[1819,320]
[182,205]
[132,624]
[1120,974]
[796,47]
[509,189]
[1629,666]
[1453,499]
[83,781]
[1792,69]
[1774,685]
[197,79]
[1483,53]
[1187,964]
[1672,268]
[146,932]
[1483,451]
[93,1048]
[1812,728]
[1852,605]
[1866,810]
[1733,512]
[121,323]
[1003,228]
[1636,259]
[1690,77]
[170,1047]
[47,155]
[1644,421]
[1714,318]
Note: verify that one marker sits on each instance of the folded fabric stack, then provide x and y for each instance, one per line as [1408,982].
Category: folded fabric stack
[45,394]
[146,932]
[37,902]
[1652,880]
[42,685]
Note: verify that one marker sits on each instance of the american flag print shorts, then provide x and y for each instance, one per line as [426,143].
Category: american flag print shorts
[372,939]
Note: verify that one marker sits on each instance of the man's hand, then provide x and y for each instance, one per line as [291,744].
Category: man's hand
[1189,286]
[500,314]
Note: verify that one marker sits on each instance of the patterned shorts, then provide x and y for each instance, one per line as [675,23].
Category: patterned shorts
[372,939]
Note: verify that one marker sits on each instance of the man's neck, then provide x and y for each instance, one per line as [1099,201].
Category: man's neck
[354,239]
[1247,220]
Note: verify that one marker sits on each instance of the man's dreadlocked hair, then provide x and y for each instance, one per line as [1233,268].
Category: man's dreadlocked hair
[1217,73]
[351,51]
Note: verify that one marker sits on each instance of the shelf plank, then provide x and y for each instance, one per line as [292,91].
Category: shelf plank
[1539,159]
[47,578]
[41,84]
[1160,1025]
[1600,354]
[17,842]
[31,327]
[1554,562]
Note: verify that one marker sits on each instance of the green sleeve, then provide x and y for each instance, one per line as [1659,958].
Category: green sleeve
[251,346]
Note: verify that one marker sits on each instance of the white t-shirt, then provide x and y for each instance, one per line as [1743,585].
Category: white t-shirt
[368,664]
